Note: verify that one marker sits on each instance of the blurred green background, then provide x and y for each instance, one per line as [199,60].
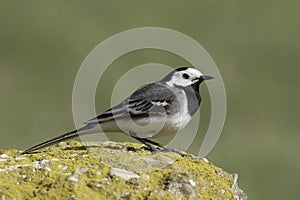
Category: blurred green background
[254,43]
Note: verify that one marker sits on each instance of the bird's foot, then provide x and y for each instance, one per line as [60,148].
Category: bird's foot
[156,149]
[152,148]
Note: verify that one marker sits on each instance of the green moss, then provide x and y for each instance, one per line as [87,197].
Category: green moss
[70,170]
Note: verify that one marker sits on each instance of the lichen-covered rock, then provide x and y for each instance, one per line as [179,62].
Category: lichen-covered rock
[112,170]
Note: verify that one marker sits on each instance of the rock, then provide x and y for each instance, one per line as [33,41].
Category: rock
[41,164]
[126,175]
[111,170]
[82,170]
[73,178]
[4,156]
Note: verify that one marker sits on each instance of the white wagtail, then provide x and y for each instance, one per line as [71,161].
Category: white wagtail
[158,109]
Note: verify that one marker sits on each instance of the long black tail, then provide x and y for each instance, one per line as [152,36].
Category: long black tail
[58,139]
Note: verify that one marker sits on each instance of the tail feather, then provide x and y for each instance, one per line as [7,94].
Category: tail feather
[58,139]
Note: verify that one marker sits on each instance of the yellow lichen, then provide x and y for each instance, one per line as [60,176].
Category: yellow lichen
[83,172]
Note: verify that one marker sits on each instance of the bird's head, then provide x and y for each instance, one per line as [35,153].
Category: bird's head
[185,77]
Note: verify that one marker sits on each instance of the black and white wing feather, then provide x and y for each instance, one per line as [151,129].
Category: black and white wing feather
[154,99]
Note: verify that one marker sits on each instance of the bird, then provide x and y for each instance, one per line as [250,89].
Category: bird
[155,110]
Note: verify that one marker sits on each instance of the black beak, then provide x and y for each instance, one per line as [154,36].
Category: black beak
[205,77]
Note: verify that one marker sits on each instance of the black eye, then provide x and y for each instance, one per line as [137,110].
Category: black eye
[185,76]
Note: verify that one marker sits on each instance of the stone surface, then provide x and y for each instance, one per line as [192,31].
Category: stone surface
[109,170]
[126,175]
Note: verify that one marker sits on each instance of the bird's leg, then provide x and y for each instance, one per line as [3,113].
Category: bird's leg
[148,143]
[154,143]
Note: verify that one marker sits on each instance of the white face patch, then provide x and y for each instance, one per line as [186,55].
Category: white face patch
[184,78]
